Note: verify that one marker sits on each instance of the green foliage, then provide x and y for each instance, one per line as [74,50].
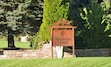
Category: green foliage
[34,15]
[36,42]
[76,7]
[11,14]
[20,16]
[74,11]
[54,10]
[107,16]
[93,34]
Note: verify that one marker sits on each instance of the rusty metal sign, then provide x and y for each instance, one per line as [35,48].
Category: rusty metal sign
[62,34]
[63,37]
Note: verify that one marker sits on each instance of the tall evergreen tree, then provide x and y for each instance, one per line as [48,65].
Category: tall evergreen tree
[14,17]
[11,18]
[35,15]
[54,10]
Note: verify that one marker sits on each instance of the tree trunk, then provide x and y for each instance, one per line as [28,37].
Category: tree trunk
[10,39]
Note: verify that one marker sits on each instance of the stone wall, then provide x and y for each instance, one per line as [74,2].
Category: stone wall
[93,52]
[45,52]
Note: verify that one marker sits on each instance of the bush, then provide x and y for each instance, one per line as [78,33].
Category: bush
[36,42]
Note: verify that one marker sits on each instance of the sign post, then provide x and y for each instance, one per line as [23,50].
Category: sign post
[63,35]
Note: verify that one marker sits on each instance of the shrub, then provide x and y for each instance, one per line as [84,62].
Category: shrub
[36,42]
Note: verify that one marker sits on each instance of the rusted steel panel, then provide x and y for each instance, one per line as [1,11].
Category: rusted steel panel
[63,37]
[62,34]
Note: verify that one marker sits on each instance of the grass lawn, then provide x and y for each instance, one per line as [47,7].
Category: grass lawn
[3,44]
[64,62]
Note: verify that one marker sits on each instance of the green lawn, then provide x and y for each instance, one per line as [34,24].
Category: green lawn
[3,44]
[65,62]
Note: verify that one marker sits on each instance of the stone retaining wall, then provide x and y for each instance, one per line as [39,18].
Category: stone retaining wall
[45,52]
[93,52]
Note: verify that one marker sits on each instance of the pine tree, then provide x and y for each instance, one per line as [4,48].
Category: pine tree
[35,15]
[12,14]
[15,17]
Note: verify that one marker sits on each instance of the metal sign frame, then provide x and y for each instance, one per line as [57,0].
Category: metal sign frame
[62,34]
